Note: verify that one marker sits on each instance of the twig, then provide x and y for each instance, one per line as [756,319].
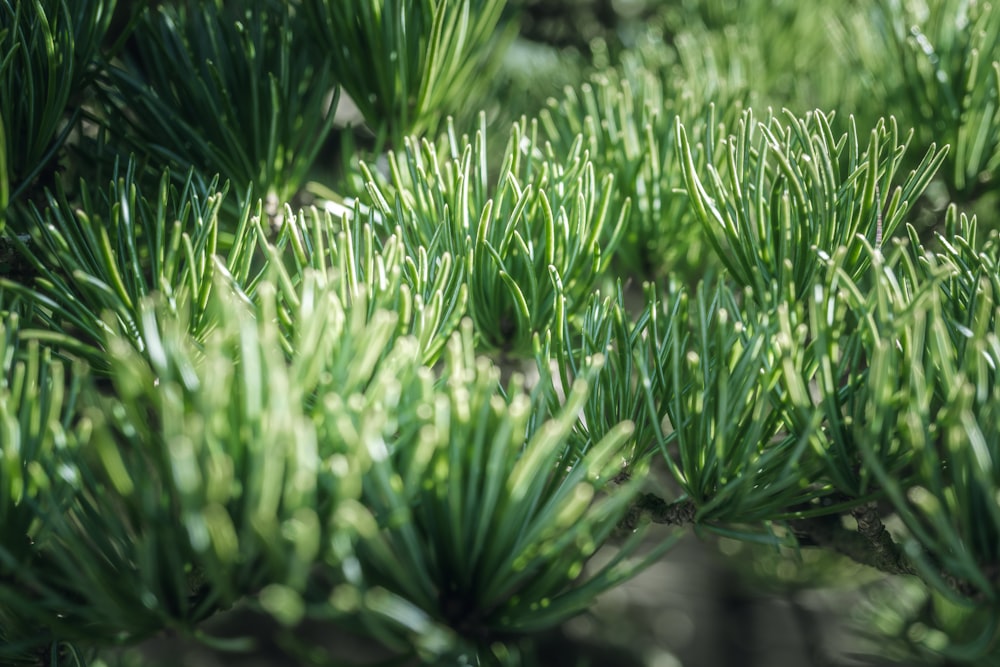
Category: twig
[884,549]
[658,511]
[870,545]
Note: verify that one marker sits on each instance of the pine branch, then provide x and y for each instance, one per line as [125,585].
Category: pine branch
[626,118]
[106,256]
[652,507]
[425,287]
[942,62]
[871,544]
[790,193]
[885,551]
[46,53]
[420,59]
[229,91]
[523,238]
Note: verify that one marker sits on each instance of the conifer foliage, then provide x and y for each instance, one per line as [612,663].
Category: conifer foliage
[308,307]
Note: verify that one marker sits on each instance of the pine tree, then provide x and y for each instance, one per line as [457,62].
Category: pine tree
[433,321]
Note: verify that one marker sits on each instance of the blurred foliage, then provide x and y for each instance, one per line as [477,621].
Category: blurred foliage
[423,59]
[48,50]
[626,116]
[905,623]
[254,106]
[566,23]
[943,79]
